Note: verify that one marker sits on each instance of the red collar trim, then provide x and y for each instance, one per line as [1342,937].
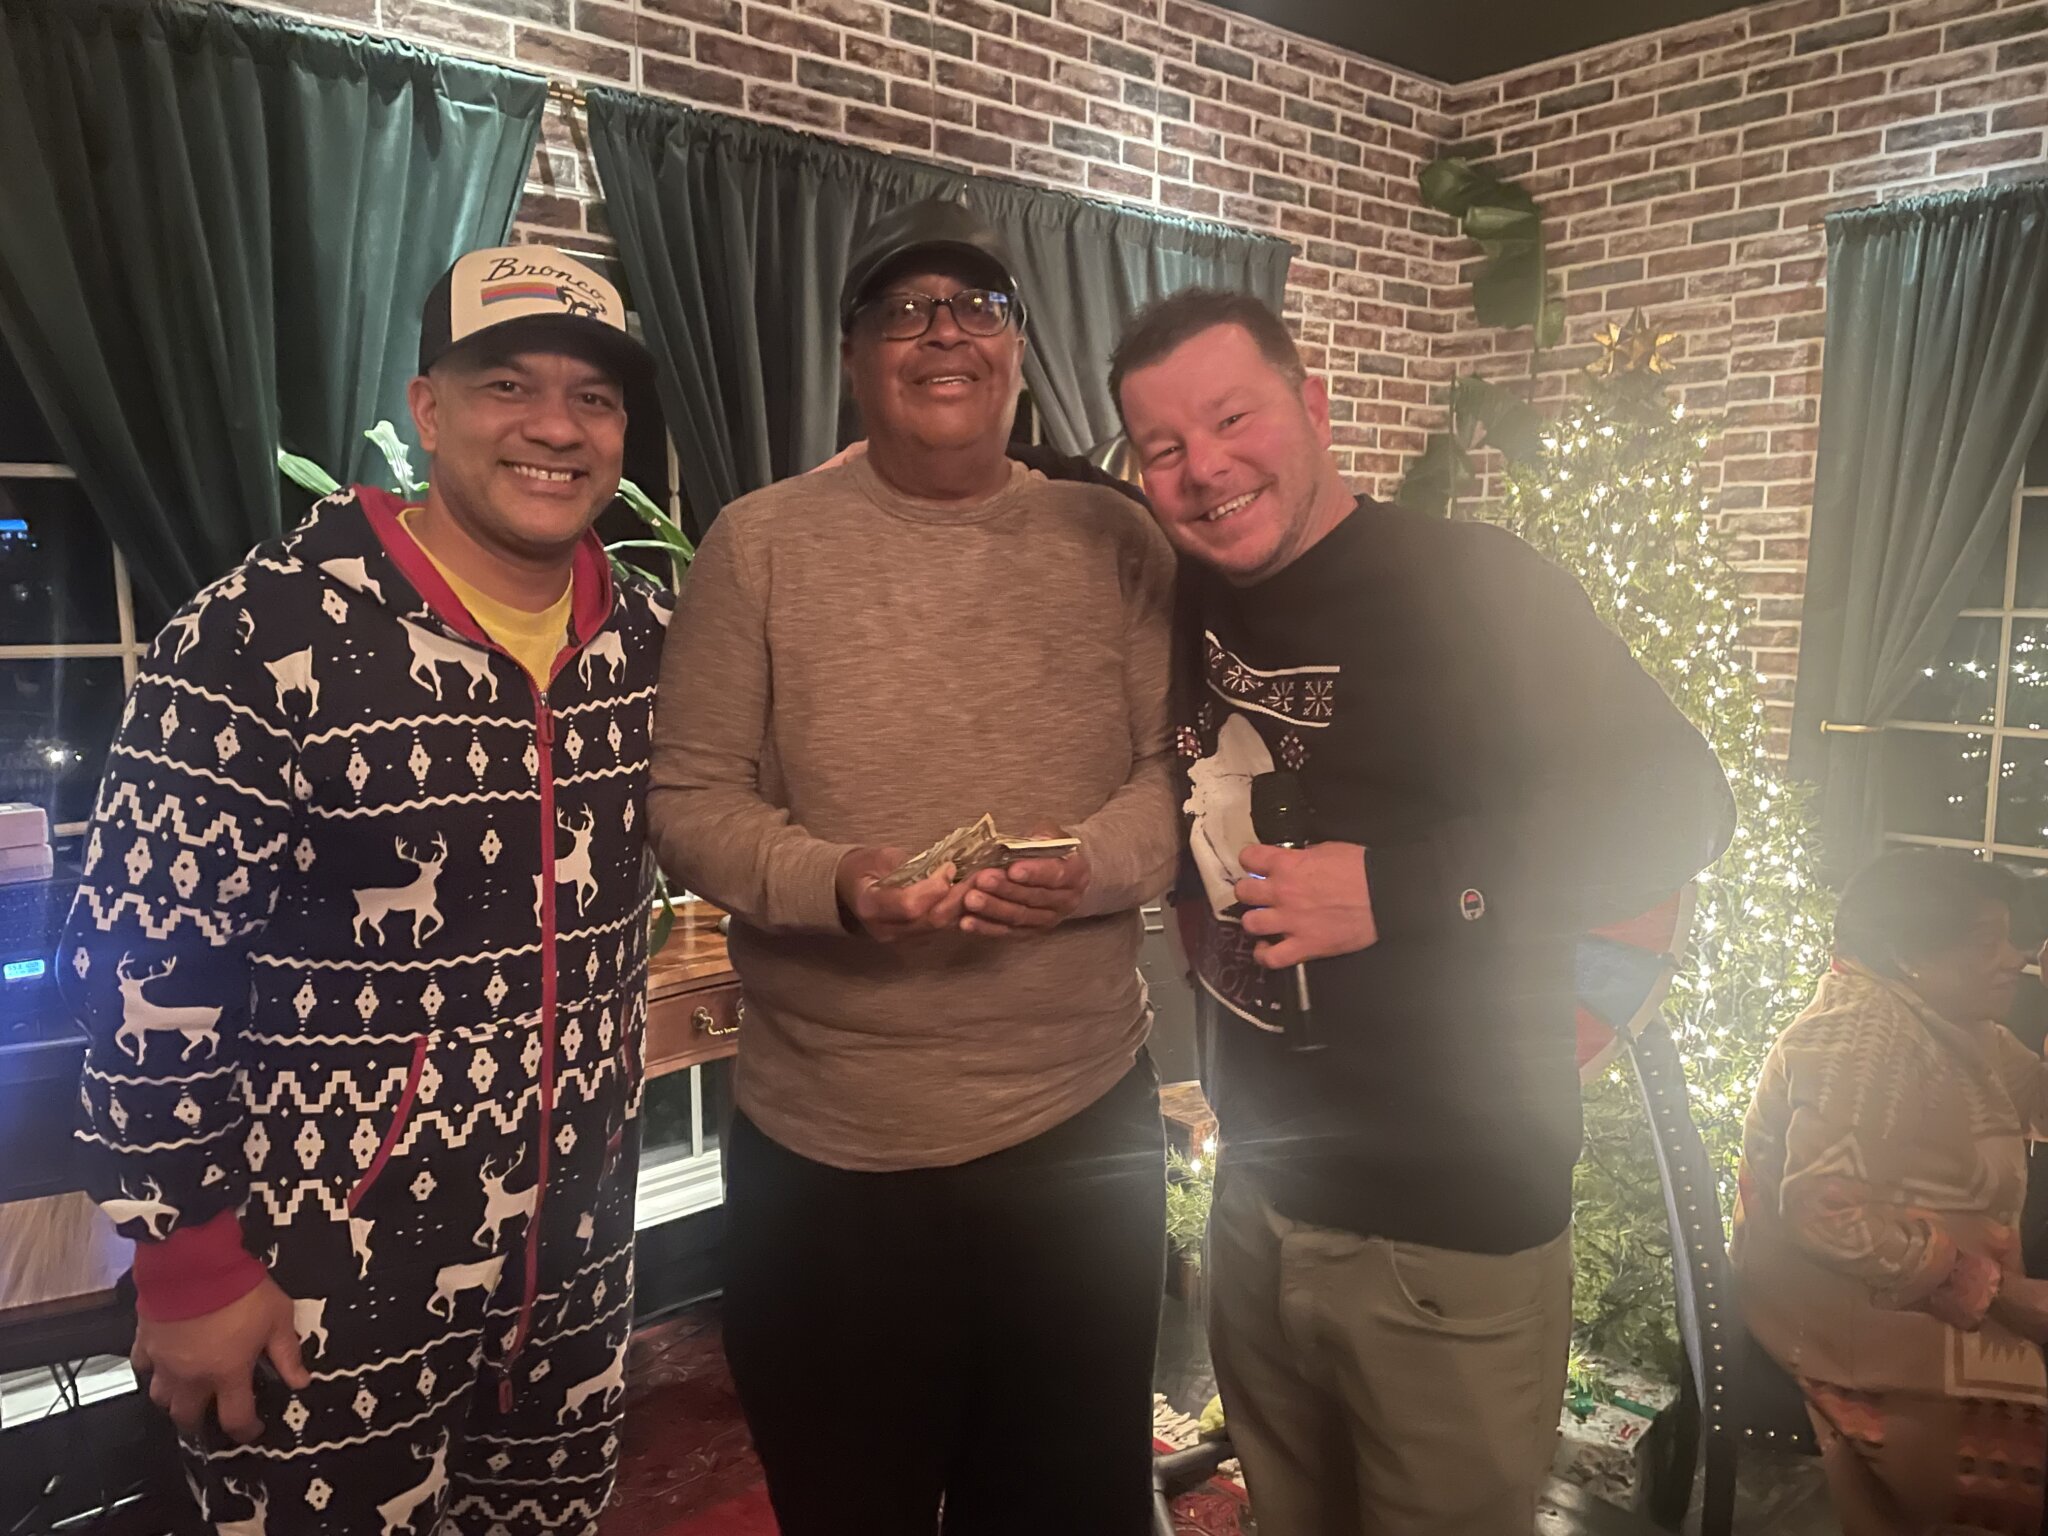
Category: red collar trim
[590,576]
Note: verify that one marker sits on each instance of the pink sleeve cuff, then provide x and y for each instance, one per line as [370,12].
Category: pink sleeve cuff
[194,1271]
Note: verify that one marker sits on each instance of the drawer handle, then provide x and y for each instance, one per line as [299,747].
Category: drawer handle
[707,1025]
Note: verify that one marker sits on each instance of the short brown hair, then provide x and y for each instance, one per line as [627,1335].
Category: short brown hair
[1165,323]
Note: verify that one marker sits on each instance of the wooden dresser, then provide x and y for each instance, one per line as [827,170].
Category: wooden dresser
[694,1008]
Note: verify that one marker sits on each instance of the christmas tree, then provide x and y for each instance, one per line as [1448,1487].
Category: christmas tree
[1615,496]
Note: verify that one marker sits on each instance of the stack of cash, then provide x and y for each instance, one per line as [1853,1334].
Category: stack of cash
[975,848]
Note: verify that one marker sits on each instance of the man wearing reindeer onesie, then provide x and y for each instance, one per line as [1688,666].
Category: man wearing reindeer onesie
[361,946]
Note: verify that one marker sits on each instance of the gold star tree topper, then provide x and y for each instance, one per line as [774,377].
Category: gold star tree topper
[1631,348]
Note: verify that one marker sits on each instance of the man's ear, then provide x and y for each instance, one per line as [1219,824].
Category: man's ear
[425,404]
[1315,399]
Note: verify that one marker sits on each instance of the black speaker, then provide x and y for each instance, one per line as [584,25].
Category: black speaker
[32,915]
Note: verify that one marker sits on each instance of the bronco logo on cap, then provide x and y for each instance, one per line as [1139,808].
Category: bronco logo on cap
[489,287]
[500,292]
[513,277]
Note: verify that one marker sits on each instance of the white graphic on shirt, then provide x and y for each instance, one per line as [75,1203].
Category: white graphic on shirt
[259,1517]
[604,1386]
[292,673]
[502,1205]
[1272,691]
[1221,803]
[451,1280]
[431,652]
[1300,701]
[574,867]
[354,574]
[309,1320]
[608,648]
[140,1017]
[416,897]
[187,626]
[149,1210]
[399,1511]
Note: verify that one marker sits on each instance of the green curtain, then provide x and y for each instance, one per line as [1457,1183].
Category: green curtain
[217,227]
[1087,268]
[736,239]
[1935,386]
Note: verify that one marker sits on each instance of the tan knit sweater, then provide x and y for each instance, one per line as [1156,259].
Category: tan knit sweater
[849,667]
[1883,1141]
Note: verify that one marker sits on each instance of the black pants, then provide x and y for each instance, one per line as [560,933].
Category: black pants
[981,1334]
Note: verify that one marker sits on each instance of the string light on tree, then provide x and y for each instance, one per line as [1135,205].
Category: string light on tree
[1616,498]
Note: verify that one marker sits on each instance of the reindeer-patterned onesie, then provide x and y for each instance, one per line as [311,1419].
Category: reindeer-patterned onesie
[361,946]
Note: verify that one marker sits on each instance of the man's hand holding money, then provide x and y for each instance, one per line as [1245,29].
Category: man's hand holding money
[890,913]
[1028,896]
[891,898]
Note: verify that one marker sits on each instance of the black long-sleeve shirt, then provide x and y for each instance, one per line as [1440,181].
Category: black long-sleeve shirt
[1450,702]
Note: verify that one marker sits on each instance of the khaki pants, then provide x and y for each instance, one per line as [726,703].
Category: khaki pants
[1375,1388]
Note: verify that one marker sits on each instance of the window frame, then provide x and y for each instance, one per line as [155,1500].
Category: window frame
[1997,731]
[128,649]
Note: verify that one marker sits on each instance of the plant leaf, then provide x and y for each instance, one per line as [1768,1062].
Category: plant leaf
[1491,221]
[397,456]
[663,916]
[666,528]
[1511,424]
[1435,476]
[1506,224]
[1510,291]
[306,475]
[1450,185]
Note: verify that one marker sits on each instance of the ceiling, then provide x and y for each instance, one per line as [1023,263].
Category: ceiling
[1459,40]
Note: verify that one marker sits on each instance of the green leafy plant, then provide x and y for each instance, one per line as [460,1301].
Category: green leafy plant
[1505,223]
[1190,1185]
[668,538]
[1483,415]
[1508,291]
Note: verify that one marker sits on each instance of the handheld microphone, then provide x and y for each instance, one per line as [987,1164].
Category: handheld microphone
[1281,817]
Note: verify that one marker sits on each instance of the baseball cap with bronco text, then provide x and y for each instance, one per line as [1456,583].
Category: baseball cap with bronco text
[530,298]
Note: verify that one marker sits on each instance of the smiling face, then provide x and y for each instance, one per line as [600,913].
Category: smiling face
[945,390]
[1235,454]
[526,449]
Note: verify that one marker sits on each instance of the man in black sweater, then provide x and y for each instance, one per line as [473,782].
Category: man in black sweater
[1491,775]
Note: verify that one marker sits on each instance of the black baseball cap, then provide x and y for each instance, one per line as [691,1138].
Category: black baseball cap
[915,234]
[524,298]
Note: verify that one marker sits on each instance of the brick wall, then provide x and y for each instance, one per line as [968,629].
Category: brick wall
[1687,172]
[1164,103]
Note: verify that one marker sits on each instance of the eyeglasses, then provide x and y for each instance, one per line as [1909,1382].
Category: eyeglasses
[907,316]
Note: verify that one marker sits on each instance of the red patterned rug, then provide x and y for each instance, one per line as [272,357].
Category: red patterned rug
[688,1469]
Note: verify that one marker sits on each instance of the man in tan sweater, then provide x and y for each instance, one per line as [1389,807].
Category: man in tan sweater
[945,1201]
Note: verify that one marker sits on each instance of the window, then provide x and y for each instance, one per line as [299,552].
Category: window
[1965,760]
[70,637]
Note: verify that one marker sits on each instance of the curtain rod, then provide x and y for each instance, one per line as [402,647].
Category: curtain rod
[567,93]
[1958,196]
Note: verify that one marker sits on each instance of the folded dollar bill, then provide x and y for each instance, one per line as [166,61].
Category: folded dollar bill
[978,847]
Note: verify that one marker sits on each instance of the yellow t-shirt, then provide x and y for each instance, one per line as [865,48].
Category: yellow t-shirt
[533,639]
